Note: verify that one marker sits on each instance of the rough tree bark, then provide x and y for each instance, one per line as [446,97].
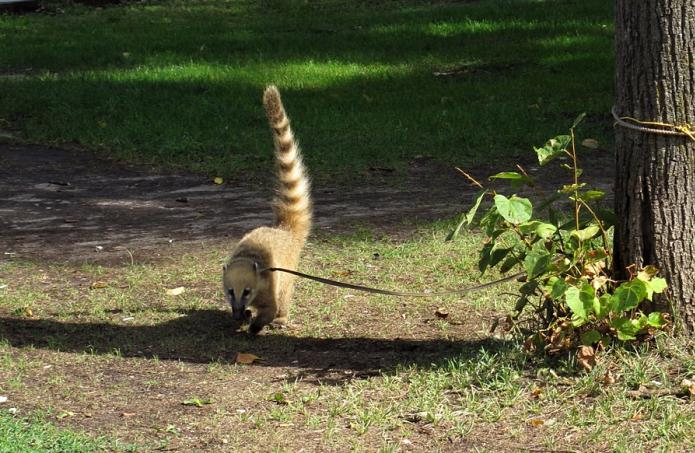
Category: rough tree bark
[655,174]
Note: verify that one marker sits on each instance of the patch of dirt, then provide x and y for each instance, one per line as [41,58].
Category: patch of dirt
[127,380]
[69,205]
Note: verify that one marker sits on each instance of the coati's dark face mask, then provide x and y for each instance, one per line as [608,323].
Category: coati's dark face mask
[241,282]
[239,304]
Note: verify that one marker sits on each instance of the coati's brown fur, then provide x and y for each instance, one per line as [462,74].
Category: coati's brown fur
[263,297]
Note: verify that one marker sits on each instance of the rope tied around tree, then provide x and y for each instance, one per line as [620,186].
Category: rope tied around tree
[681,130]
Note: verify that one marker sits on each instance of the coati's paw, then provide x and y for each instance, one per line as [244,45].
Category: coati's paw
[236,325]
[280,323]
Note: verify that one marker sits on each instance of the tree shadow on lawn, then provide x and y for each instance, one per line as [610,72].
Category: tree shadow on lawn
[206,336]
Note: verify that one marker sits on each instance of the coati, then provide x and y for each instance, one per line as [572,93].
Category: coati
[263,297]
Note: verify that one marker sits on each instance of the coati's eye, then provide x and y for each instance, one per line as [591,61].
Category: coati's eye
[231,294]
[246,293]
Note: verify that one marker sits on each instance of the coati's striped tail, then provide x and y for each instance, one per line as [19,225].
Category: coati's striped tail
[292,205]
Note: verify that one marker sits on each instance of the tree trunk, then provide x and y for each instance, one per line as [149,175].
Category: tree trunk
[655,174]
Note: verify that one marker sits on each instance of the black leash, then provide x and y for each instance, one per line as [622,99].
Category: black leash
[327,281]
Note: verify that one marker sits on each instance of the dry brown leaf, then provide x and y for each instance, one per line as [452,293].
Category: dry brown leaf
[98,285]
[127,414]
[176,291]
[608,378]
[586,358]
[530,344]
[245,359]
[595,268]
[441,313]
[536,392]
[536,422]
[599,281]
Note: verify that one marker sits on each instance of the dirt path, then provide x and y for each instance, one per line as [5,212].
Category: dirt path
[68,204]
[71,205]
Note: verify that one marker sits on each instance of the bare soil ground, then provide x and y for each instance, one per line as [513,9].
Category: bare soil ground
[61,204]
[129,381]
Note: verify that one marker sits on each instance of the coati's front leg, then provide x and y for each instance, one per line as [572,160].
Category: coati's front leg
[259,321]
[283,303]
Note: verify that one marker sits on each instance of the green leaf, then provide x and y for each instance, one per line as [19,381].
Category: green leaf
[555,147]
[584,234]
[484,259]
[490,220]
[498,255]
[629,295]
[590,337]
[470,215]
[516,179]
[655,285]
[558,289]
[582,301]
[529,288]
[510,262]
[521,303]
[605,304]
[514,210]
[625,329]
[196,402]
[591,195]
[578,171]
[541,229]
[571,188]
[578,120]
[536,263]
[467,219]
[656,319]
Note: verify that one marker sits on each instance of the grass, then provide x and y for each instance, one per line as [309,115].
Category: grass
[178,83]
[106,352]
[353,371]
[35,435]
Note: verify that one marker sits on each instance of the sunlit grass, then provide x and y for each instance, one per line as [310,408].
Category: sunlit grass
[179,83]
[474,386]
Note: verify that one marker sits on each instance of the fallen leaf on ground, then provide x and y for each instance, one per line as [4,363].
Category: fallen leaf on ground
[65,414]
[536,422]
[28,312]
[127,414]
[279,397]
[218,180]
[608,378]
[441,313]
[98,285]
[3,399]
[586,358]
[245,359]
[689,386]
[637,416]
[197,402]
[176,291]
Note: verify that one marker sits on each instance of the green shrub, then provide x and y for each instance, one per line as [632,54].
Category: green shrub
[569,298]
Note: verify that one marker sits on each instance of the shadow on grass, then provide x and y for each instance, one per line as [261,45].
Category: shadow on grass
[206,336]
